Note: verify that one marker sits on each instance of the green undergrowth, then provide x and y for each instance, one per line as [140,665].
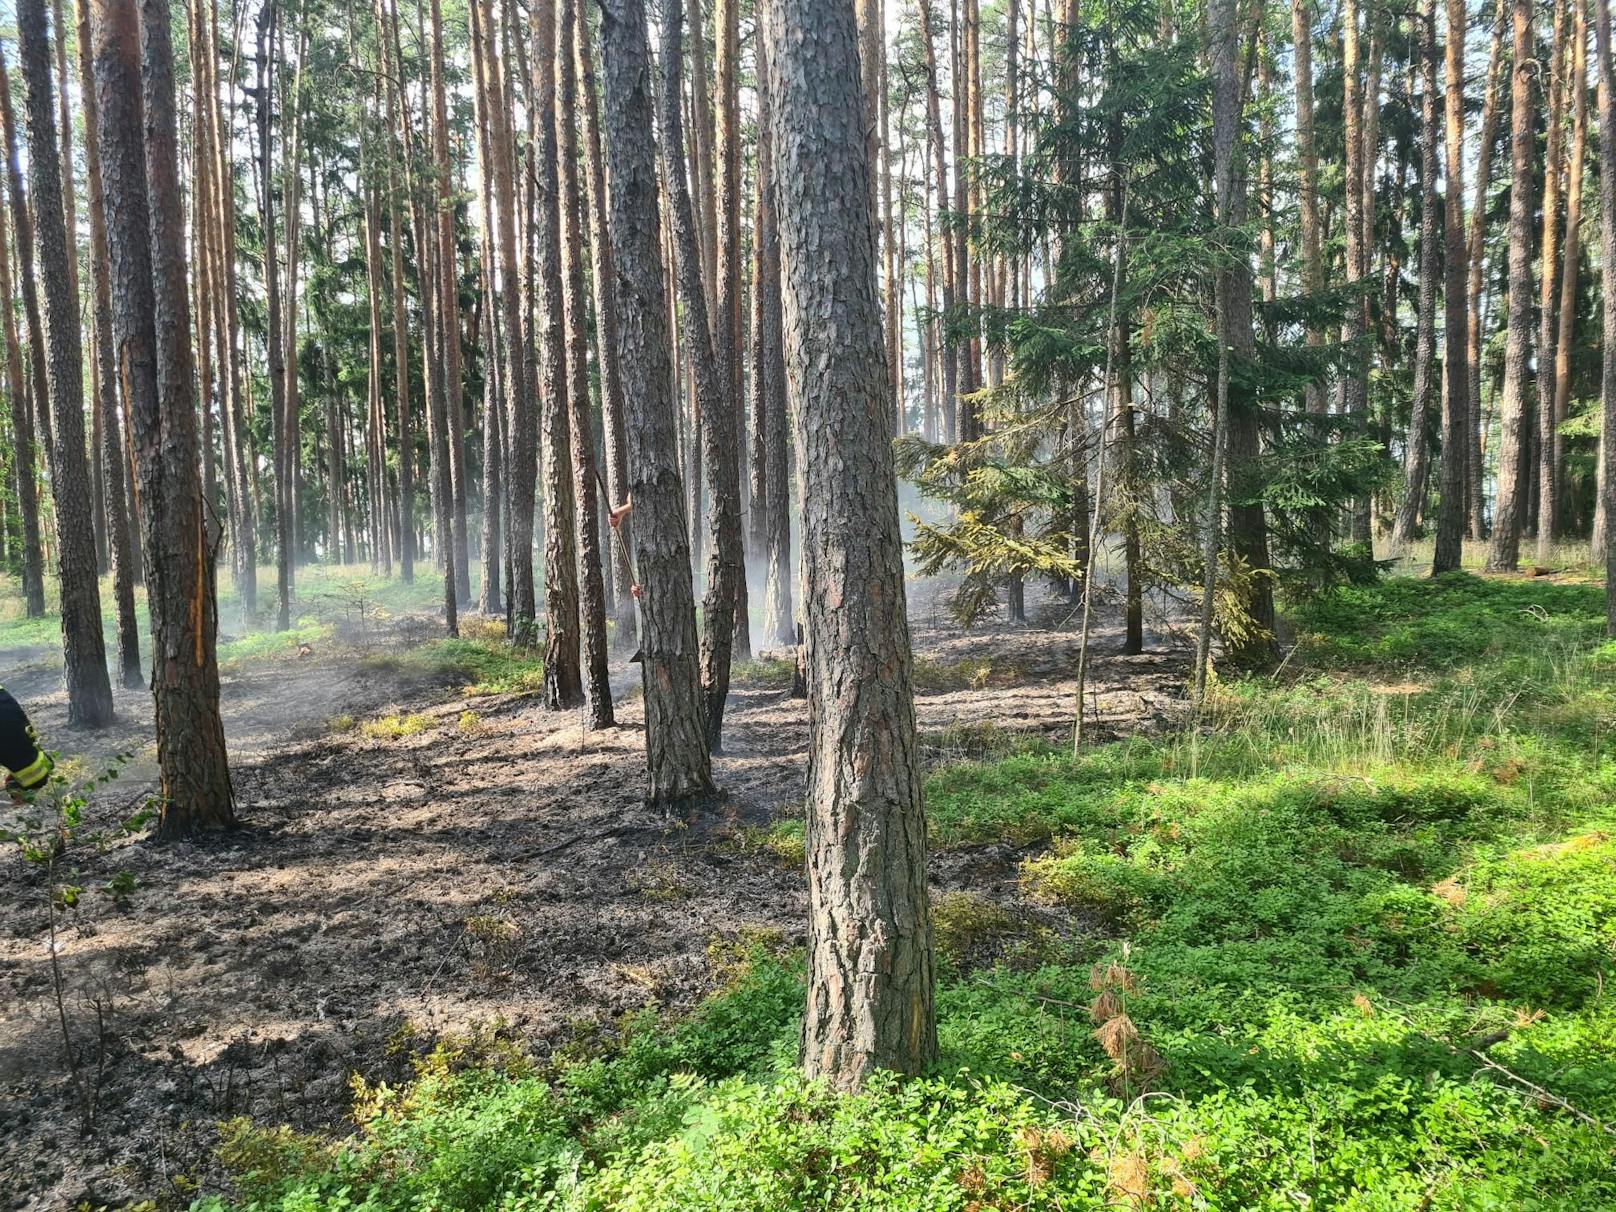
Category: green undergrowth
[1348,946]
[481,659]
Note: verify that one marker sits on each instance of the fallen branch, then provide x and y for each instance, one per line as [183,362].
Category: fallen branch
[616,831]
[1542,1094]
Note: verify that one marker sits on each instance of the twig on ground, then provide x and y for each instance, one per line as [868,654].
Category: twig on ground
[1541,1094]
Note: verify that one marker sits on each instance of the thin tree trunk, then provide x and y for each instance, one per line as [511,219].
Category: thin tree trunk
[274,323]
[724,569]
[449,313]
[1571,259]
[1457,423]
[227,319]
[1119,406]
[401,336]
[109,454]
[1222,49]
[22,435]
[492,553]
[22,226]
[292,220]
[1548,467]
[679,767]
[1355,380]
[575,304]
[1607,246]
[934,124]
[727,421]
[1417,466]
[604,279]
[870,967]
[563,678]
[493,549]
[520,427]
[1307,182]
[1503,552]
[89,690]
[769,372]
[1491,116]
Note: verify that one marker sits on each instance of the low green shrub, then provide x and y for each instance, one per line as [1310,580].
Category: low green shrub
[1352,942]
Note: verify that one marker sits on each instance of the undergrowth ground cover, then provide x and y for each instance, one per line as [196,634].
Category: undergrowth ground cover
[1348,945]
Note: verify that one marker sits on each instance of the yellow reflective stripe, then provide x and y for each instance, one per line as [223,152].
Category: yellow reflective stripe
[33,774]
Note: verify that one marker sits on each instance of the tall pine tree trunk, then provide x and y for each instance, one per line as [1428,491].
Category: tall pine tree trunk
[728,421]
[769,373]
[23,451]
[711,378]
[870,967]
[604,280]
[679,767]
[1548,467]
[1457,424]
[449,315]
[563,678]
[1491,115]
[274,324]
[109,455]
[575,305]
[146,237]
[1509,515]
[1417,466]
[1607,248]
[89,690]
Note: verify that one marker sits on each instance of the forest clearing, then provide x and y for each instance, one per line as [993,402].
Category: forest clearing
[911,605]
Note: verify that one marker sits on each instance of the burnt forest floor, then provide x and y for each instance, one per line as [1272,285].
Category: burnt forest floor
[417,863]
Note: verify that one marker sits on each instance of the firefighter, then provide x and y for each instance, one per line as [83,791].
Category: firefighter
[20,754]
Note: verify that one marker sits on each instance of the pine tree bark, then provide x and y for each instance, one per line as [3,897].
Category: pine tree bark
[563,678]
[1416,466]
[1457,425]
[1119,404]
[104,383]
[1355,379]
[22,226]
[23,451]
[520,427]
[227,322]
[1307,181]
[1491,117]
[604,279]
[1248,523]
[274,325]
[1571,260]
[679,767]
[89,690]
[870,968]
[724,568]
[728,341]
[292,224]
[1548,467]
[401,335]
[492,553]
[449,314]
[575,305]
[1509,512]
[934,126]
[146,237]
[1607,246]
[769,373]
